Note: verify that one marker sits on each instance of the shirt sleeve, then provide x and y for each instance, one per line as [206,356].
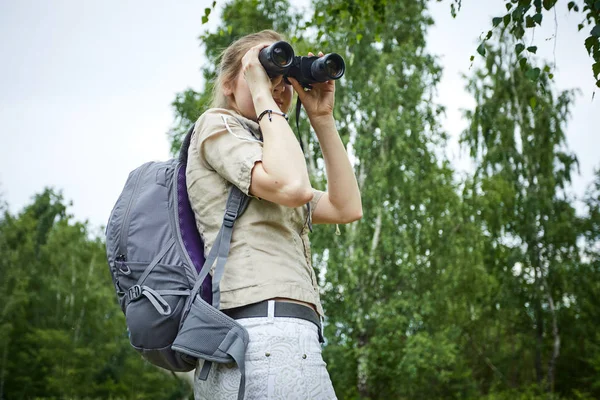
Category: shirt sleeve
[317,194]
[228,148]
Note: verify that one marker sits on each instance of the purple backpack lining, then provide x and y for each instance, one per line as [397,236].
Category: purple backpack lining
[189,233]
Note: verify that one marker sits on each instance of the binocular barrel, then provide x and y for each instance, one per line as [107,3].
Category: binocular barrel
[279,59]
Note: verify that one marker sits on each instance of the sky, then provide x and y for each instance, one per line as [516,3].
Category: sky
[86,89]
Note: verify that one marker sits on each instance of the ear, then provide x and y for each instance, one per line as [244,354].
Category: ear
[227,89]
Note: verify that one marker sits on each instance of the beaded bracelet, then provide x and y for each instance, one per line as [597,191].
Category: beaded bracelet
[269,112]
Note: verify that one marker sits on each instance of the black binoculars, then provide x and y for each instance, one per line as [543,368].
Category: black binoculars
[279,59]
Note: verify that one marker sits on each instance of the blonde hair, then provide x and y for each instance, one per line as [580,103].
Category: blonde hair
[231,59]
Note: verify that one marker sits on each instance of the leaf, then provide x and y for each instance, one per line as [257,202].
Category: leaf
[538,18]
[508,6]
[359,36]
[506,19]
[589,43]
[533,102]
[532,49]
[519,48]
[523,64]
[518,31]
[571,5]
[596,69]
[529,22]
[214,4]
[496,21]
[596,31]
[550,76]
[204,19]
[489,35]
[548,4]
[481,49]
[546,68]
[472,58]
[517,14]
[533,74]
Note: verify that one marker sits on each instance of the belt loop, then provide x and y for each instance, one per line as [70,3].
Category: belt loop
[271,310]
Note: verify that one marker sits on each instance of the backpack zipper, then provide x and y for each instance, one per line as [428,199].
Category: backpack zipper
[122,256]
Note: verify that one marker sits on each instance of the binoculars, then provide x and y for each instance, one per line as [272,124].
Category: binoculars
[279,59]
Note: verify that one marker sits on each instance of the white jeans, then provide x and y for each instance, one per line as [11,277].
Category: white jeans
[283,361]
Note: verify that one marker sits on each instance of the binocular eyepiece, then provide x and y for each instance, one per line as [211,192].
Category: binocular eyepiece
[279,59]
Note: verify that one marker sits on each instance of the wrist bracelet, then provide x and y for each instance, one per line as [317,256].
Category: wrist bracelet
[269,112]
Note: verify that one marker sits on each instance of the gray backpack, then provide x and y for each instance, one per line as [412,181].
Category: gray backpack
[157,263]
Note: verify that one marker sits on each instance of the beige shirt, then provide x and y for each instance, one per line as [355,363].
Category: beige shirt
[270,251]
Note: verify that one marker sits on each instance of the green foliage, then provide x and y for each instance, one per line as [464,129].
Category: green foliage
[240,17]
[523,168]
[527,14]
[62,334]
[443,289]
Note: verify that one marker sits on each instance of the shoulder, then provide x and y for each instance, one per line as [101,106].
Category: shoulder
[213,117]
[215,120]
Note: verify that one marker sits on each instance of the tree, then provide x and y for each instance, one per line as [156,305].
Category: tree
[520,16]
[62,334]
[522,171]
[445,289]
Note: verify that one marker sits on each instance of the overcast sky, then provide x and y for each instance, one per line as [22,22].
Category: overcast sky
[86,87]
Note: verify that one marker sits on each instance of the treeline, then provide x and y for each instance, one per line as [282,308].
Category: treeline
[62,333]
[477,287]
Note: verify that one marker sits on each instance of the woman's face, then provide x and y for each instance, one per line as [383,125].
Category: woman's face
[242,98]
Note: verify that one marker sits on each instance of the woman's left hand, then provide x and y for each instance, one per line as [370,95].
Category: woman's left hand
[318,101]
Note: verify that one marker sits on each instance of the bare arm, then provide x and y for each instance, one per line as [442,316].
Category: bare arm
[341,203]
[281,177]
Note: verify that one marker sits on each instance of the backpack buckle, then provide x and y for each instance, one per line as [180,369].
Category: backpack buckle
[229,218]
[134,292]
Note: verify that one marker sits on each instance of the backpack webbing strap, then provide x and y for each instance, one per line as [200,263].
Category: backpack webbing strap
[237,202]
[154,296]
[233,344]
[203,375]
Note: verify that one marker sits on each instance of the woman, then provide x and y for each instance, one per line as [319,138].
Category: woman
[245,140]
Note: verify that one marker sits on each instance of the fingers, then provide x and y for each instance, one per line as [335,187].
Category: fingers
[299,89]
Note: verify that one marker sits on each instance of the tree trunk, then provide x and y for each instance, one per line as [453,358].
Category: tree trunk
[556,344]
[361,373]
[539,331]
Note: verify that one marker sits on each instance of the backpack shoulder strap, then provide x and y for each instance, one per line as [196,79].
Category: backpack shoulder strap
[237,202]
[185,145]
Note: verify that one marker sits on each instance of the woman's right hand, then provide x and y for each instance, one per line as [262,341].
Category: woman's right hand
[254,73]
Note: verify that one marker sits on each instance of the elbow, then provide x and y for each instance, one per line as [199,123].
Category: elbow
[352,216]
[296,195]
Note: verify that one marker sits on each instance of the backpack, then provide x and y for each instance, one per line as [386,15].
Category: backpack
[161,275]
